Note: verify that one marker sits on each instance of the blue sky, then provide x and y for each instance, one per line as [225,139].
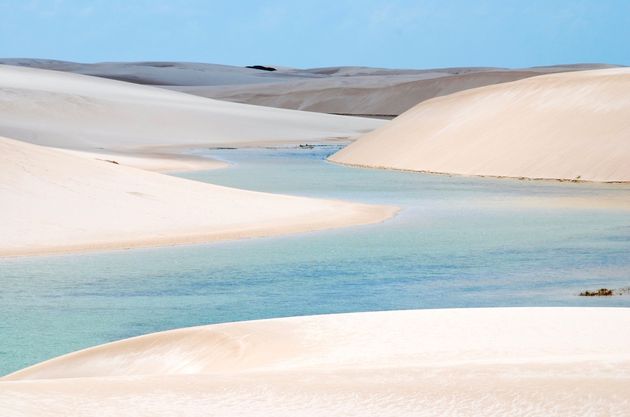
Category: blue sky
[305,33]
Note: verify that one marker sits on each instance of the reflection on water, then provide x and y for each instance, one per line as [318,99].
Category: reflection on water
[458,242]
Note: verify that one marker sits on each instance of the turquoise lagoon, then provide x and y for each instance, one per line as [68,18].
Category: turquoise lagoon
[457,242]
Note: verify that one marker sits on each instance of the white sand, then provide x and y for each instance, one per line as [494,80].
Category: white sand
[465,362]
[561,126]
[53,201]
[98,115]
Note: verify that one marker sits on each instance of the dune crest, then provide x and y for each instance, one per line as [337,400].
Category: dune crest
[571,126]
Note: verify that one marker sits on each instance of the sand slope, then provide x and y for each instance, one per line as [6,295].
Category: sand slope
[98,115]
[496,362]
[56,202]
[561,126]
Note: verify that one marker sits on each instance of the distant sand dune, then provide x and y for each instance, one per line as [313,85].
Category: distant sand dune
[573,126]
[54,202]
[339,90]
[495,362]
[97,115]
[369,91]
[161,73]
[386,95]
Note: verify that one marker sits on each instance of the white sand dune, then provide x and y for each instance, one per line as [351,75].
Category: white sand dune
[53,202]
[467,362]
[341,90]
[573,126]
[98,115]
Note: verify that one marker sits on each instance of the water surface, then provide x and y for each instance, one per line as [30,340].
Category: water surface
[458,242]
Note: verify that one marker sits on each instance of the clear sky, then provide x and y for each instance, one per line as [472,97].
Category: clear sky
[310,33]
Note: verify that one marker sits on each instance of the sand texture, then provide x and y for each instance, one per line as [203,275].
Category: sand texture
[465,362]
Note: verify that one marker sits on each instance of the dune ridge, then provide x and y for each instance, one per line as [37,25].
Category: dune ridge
[521,361]
[569,126]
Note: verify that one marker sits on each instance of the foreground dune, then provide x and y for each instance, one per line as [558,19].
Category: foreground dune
[493,362]
[53,201]
[98,115]
[573,126]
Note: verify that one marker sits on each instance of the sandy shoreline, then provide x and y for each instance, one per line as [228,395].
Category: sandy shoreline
[59,202]
[359,216]
[493,361]
[451,174]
